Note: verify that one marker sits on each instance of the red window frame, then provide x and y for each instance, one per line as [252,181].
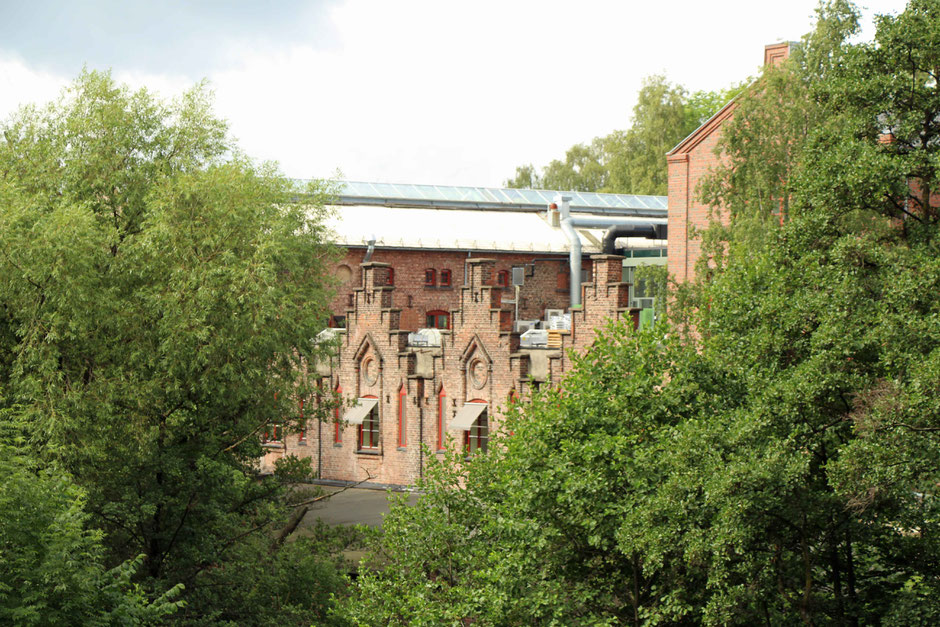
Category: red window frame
[391,276]
[430,277]
[445,277]
[337,432]
[273,431]
[402,434]
[432,319]
[441,400]
[480,433]
[502,278]
[374,430]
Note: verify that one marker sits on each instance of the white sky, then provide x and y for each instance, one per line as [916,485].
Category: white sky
[425,91]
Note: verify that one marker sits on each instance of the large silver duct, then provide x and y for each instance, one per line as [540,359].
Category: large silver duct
[629,227]
[574,247]
[370,249]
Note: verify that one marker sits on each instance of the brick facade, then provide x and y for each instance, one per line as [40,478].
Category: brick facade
[479,359]
[687,163]
[546,281]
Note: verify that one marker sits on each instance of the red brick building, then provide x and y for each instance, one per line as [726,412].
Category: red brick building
[688,162]
[430,319]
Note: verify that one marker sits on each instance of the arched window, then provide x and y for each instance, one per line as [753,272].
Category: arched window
[402,399]
[337,426]
[476,438]
[430,277]
[441,407]
[502,278]
[369,429]
[445,278]
[437,319]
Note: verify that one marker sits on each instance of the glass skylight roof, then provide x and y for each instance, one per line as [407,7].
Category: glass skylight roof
[355,192]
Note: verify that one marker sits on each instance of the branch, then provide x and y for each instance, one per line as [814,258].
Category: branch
[913,428]
[302,509]
[901,208]
[323,497]
[245,437]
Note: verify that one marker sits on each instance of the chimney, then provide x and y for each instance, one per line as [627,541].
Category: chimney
[775,54]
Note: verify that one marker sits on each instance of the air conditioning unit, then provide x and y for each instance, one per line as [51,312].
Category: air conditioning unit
[644,303]
[551,313]
[534,338]
[424,337]
[560,323]
[521,326]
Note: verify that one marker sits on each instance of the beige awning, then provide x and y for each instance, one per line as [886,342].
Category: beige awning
[466,416]
[357,413]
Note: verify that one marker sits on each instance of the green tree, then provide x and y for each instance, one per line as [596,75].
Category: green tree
[637,157]
[159,294]
[582,170]
[526,178]
[772,454]
[52,565]
[632,160]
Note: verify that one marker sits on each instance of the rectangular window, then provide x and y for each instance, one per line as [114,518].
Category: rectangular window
[445,278]
[441,402]
[369,430]
[402,399]
[430,277]
[273,433]
[302,436]
[337,425]
[502,278]
[476,438]
[437,320]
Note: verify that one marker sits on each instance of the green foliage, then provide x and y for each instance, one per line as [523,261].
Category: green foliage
[763,143]
[51,562]
[526,178]
[771,455]
[159,292]
[632,161]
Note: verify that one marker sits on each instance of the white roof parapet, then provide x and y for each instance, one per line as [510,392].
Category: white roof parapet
[448,229]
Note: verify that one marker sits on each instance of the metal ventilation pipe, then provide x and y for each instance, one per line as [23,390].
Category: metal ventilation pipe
[647,230]
[370,249]
[574,248]
[630,227]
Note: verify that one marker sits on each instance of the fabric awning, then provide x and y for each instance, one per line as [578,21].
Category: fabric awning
[466,416]
[358,412]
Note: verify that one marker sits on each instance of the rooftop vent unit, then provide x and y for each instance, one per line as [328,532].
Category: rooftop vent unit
[534,338]
[521,326]
[424,337]
[558,322]
[326,336]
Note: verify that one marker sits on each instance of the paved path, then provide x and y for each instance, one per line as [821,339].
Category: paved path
[354,506]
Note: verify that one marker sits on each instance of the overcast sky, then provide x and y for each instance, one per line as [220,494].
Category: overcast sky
[435,91]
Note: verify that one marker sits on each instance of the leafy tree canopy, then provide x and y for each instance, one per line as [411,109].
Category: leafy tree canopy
[159,293]
[631,161]
[771,454]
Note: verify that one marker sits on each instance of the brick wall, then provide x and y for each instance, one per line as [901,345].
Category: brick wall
[479,360]
[687,163]
[545,284]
